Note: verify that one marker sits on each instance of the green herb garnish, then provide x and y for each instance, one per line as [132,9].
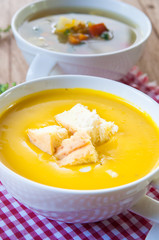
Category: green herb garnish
[107,35]
[5,86]
[14,84]
[66,32]
[4,30]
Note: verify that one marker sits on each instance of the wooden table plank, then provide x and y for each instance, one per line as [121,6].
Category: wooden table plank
[151,8]
[13,66]
[19,67]
[150,59]
[4,43]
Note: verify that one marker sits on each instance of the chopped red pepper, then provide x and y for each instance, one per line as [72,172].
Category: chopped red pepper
[96,30]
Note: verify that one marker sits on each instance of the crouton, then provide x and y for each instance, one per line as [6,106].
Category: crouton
[77,118]
[86,154]
[104,132]
[76,141]
[80,118]
[48,138]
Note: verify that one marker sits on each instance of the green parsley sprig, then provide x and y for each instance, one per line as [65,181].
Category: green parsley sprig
[5,86]
[5,30]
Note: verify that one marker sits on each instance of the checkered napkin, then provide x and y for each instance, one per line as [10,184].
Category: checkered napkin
[18,222]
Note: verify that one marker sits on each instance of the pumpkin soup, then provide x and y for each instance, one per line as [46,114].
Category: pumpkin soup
[130,153]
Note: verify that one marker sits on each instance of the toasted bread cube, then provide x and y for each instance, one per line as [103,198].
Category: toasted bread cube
[76,141]
[104,132]
[83,155]
[48,138]
[77,149]
[80,118]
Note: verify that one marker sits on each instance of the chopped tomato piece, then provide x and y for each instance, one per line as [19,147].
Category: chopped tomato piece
[97,29]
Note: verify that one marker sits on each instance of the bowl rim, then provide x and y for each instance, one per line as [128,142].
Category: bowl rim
[147,177]
[43,50]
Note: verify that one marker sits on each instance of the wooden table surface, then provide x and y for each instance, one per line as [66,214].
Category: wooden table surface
[13,67]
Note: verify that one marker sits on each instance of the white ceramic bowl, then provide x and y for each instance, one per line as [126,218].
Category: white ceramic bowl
[82,205]
[112,65]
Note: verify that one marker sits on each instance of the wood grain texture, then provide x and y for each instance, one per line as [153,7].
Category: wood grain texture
[151,8]
[14,68]
[150,60]
[19,67]
[5,43]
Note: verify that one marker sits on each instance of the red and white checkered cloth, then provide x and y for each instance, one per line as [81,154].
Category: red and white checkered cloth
[18,222]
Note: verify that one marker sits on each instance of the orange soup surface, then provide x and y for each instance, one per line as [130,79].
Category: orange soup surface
[129,155]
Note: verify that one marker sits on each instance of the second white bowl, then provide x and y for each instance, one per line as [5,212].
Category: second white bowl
[112,65]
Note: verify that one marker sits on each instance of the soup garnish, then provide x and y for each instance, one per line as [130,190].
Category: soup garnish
[87,130]
[77,32]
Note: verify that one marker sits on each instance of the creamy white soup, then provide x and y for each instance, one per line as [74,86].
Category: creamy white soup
[40,30]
